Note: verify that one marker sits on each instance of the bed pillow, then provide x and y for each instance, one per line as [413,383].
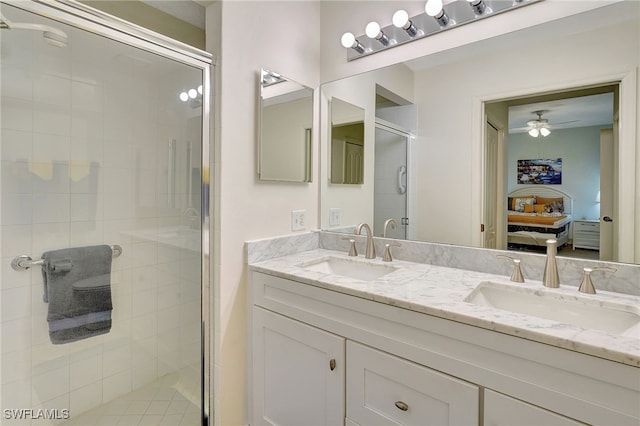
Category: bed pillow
[539,208]
[515,202]
[528,208]
[554,204]
[519,202]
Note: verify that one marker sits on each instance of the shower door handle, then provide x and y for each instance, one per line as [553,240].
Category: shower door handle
[402,172]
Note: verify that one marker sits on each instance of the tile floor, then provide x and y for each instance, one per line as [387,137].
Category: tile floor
[164,402]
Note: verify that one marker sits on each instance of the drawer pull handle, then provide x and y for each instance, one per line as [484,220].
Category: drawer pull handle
[332,364]
[401,406]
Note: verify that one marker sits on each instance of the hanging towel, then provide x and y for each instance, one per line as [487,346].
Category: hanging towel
[77,283]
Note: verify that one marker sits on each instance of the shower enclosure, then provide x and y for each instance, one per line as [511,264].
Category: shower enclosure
[104,141]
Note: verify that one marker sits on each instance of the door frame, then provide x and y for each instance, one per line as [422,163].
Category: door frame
[628,161]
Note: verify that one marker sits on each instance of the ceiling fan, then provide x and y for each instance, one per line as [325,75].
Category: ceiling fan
[540,127]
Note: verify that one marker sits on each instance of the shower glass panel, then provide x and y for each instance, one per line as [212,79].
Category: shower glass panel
[97,148]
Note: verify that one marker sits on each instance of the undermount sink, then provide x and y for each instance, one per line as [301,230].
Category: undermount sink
[350,268]
[585,312]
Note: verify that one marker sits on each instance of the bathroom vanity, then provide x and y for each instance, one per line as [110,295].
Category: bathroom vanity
[347,340]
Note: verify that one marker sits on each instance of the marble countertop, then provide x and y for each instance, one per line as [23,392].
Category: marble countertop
[440,291]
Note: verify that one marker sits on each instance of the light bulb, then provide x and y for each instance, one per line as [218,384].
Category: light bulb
[545,132]
[200,89]
[184,97]
[372,30]
[400,18]
[193,93]
[533,133]
[433,7]
[348,40]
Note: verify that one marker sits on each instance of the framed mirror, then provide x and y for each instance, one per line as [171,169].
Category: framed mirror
[347,143]
[285,129]
[455,104]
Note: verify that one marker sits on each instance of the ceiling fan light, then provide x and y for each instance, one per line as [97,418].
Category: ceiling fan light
[545,132]
[534,133]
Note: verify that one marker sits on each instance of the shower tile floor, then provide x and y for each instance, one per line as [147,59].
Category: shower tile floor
[159,403]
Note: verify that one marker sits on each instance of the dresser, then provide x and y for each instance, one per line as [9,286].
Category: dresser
[586,234]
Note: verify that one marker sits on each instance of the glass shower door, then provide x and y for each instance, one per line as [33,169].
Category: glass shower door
[99,147]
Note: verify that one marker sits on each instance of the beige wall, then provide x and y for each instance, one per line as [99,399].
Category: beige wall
[153,19]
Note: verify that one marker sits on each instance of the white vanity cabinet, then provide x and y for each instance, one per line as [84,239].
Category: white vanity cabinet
[384,389]
[298,373]
[409,368]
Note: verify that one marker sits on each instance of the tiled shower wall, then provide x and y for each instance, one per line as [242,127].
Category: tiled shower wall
[84,161]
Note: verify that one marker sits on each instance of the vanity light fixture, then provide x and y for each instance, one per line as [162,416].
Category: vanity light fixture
[403,28]
[373,31]
[349,41]
[435,9]
[479,7]
[401,20]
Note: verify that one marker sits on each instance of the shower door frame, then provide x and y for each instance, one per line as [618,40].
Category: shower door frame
[95,21]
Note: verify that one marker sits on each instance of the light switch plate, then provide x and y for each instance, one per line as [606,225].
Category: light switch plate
[298,220]
[334,216]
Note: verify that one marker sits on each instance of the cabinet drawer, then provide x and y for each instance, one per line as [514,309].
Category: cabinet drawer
[383,389]
[586,226]
[503,410]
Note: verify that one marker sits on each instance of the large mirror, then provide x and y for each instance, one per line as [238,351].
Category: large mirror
[462,123]
[347,143]
[286,117]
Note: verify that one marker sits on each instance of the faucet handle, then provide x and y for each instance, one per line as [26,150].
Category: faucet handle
[387,251]
[516,276]
[586,286]
[352,246]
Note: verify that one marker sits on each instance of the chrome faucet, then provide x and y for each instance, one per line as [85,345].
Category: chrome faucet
[586,286]
[387,223]
[371,249]
[550,278]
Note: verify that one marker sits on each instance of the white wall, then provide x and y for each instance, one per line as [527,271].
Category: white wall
[249,36]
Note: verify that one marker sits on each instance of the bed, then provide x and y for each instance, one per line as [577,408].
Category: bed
[538,213]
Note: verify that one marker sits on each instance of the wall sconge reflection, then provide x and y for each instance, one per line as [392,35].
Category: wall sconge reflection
[438,16]
[193,96]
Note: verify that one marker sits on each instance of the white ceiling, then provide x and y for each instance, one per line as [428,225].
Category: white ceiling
[593,110]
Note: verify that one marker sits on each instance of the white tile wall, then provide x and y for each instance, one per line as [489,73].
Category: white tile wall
[83,161]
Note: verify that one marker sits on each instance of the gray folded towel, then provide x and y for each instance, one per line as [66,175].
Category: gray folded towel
[77,284]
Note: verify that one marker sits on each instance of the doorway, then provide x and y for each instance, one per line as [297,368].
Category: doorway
[572,121]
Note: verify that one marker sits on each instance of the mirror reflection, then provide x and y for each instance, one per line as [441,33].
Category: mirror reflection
[286,117]
[469,115]
[347,143]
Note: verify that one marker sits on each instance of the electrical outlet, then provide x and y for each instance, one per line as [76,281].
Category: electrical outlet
[334,216]
[298,220]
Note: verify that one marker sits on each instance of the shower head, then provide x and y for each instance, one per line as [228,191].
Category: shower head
[51,35]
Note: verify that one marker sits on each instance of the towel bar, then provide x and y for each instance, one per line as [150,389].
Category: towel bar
[24,262]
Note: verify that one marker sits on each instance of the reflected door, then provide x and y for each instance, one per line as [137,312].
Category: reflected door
[390,182]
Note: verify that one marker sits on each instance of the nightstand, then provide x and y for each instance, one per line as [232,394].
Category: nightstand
[586,234]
